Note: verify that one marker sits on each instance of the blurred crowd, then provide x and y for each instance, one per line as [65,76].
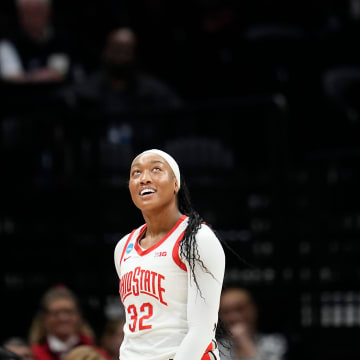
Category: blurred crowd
[60,331]
[37,53]
[116,61]
[119,56]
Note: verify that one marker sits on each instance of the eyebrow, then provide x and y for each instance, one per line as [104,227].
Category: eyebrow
[152,161]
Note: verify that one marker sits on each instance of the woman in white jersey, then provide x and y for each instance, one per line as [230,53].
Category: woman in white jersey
[171,269]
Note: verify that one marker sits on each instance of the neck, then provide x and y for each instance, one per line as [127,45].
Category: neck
[159,224]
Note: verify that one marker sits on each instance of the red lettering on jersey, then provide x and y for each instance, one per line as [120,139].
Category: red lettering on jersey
[121,290]
[144,282]
[160,289]
[125,282]
[147,281]
[128,282]
[135,287]
[160,253]
[154,274]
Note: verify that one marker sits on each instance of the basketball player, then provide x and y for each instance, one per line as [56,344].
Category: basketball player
[171,269]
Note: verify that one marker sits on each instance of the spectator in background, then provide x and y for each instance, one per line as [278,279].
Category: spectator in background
[20,347]
[59,326]
[36,54]
[119,85]
[112,337]
[238,312]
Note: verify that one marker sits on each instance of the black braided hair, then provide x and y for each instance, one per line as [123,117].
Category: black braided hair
[188,245]
[189,249]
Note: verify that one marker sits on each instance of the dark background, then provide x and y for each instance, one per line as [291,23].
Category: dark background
[271,161]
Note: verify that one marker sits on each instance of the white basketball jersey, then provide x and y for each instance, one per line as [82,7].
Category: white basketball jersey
[153,289]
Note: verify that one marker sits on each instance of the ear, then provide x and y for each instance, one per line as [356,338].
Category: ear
[176,188]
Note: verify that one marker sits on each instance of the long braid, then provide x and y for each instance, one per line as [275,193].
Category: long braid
[189,250]
[188,245]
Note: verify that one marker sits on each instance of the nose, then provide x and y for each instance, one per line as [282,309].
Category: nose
[145,177]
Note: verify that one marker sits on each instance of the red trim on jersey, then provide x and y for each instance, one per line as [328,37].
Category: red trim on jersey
[127,243]
[122,255]
[175,252]
[210,347]
[206,356]
[142,252]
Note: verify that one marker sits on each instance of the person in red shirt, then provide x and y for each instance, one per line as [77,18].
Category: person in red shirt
[59,326]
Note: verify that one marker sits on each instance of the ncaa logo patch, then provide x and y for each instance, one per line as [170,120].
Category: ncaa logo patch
[129,248]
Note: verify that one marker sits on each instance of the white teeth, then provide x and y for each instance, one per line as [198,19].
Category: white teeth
[144,191]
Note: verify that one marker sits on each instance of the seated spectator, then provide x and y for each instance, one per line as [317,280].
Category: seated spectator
[112,337]
[59,326]
[119,85]
[238,312]
[85,352]
[36,54]
[20,347]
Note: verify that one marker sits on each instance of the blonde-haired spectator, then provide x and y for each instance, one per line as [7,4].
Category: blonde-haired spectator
[58,327]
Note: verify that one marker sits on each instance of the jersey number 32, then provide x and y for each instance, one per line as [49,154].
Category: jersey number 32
[145,313]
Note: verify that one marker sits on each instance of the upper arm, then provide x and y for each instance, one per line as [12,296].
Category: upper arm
[205,298]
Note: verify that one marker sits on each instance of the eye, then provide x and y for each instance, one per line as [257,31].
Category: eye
[156,169]
[135,172]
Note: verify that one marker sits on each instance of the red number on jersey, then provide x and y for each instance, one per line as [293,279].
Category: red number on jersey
[144,317]
[132,309]
[146,308]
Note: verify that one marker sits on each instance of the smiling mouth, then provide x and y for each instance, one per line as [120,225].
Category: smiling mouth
[147,191]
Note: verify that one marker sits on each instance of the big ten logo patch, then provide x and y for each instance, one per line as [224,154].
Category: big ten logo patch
[160,253]
[129,248]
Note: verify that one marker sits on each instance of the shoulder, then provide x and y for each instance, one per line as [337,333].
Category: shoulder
[123,241]
[206,234]
[119,251]
[209,247]
[120,244]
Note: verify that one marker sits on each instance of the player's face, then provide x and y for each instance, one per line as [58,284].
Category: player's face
[152,182]
[62,318]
